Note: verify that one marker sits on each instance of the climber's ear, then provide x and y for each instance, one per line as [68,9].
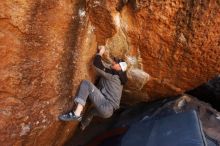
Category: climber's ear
[113,62]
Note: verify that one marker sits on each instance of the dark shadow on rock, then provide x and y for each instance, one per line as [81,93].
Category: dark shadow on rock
[209,92]
[68,61]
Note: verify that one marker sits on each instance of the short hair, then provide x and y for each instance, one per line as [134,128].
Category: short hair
[118,60]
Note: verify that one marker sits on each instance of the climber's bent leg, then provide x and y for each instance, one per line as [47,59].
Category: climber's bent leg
[86,88]
[102,108]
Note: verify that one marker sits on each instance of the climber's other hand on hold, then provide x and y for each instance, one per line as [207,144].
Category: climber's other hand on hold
[101,50]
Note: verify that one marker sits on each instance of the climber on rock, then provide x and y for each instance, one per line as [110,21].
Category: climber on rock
[105,97]
[134,4]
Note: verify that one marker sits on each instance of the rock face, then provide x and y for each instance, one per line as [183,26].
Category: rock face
[46,48]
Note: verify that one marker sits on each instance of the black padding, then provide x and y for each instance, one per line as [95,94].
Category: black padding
[181,129]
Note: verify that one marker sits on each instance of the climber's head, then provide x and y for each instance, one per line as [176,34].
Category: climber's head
[119,65]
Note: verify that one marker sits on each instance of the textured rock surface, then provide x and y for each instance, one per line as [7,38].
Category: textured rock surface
[46,48]
[42,43]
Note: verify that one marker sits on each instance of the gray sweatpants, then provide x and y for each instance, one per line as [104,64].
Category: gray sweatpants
[103,107]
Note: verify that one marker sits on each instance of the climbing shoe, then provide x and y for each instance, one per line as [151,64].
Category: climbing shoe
[70,117]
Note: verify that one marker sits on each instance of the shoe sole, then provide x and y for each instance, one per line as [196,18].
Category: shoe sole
[66,120]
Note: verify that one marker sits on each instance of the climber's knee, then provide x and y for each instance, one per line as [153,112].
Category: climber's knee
[85,82]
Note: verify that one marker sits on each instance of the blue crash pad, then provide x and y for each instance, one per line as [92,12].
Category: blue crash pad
[182,129]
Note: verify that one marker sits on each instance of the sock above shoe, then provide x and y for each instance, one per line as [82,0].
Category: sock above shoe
[76,114]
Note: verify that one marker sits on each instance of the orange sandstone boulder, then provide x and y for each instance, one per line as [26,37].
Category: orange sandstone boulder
[46,49]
